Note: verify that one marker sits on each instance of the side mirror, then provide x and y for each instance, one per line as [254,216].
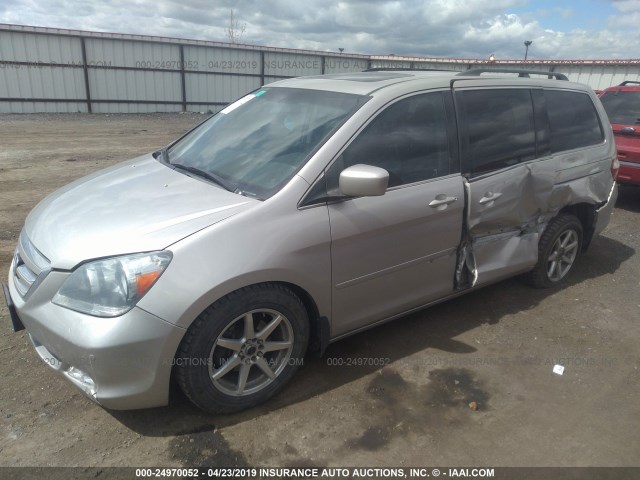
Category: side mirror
[364,181]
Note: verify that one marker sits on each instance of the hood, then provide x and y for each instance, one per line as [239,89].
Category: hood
[137,206]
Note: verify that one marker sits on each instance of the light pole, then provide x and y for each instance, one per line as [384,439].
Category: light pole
[526,52]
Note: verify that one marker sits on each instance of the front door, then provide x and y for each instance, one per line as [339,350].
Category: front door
[398,251]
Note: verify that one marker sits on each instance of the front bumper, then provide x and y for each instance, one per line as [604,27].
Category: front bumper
[121,363]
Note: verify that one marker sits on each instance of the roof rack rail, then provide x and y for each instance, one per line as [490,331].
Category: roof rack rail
[627,82]
[407,69]
[475,72]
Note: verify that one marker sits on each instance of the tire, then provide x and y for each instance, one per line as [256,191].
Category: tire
[243,349]
[562,238]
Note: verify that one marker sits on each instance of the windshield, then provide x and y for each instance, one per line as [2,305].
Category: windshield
[259,142]
[622,108]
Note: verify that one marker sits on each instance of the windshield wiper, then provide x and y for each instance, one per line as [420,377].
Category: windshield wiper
[209,176]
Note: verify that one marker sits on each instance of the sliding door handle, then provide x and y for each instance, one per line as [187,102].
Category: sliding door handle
[489,197]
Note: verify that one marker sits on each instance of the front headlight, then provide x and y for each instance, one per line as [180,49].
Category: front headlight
[111,287]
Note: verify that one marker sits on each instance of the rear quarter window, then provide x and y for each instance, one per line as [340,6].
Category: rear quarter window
[573,120]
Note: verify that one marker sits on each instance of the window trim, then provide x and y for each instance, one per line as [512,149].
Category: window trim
[541,119]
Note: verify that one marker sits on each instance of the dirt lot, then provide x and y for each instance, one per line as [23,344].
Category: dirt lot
[496,347]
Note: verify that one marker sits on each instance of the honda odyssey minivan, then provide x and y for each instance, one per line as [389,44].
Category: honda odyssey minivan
[308,210]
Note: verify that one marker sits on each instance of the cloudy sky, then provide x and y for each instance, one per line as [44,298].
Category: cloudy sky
[559,29]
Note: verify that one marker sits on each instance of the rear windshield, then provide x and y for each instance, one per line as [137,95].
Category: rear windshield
[258,143]
[622,107]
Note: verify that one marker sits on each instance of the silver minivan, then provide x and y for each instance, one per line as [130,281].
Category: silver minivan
[308,210]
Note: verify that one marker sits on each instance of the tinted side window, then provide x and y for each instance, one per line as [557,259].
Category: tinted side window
[573,120]
[498,128]
[623,107]
[408,139]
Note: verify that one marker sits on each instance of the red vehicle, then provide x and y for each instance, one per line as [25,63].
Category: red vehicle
[622,104]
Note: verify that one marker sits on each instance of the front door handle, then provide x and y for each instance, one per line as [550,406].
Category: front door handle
[441,202]
[489,197]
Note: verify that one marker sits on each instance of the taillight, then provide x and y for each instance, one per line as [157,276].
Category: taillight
[615,166]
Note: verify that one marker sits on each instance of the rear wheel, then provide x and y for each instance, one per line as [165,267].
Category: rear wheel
[558,249]
[243,348]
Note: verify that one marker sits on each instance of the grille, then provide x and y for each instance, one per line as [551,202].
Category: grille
[29,266]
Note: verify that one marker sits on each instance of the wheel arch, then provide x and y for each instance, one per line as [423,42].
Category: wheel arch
[586,213]
[319,327]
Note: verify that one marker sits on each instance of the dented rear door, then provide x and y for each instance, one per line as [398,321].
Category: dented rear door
[523,163]
[498,143]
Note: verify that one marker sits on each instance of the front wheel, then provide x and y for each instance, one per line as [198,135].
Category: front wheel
[243,348]
[558,249]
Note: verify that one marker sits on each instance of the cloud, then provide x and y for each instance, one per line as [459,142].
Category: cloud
[626,6]
[629,17]
[442,28]
[563,12]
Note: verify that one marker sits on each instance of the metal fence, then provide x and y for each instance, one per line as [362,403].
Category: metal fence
[55,70]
